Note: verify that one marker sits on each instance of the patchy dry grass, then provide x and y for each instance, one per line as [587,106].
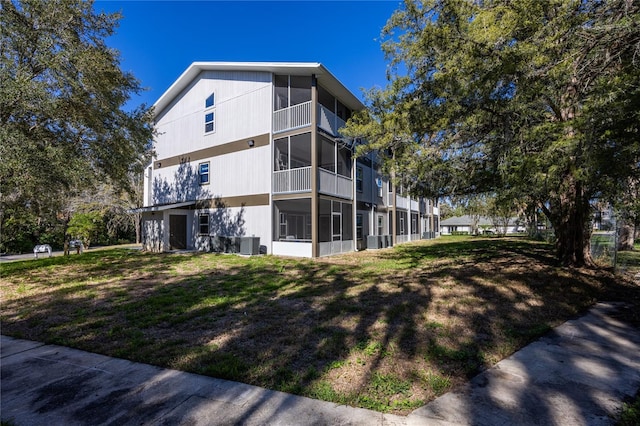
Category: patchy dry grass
[387,330]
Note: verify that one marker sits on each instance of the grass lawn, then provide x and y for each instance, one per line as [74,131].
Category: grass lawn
[387,330]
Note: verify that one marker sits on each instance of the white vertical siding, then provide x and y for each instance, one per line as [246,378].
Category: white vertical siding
[241,173]
[245,172]
[242,109]
[252,221]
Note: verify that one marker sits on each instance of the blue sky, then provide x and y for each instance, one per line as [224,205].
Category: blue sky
[158,40]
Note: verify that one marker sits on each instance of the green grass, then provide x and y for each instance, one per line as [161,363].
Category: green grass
[629,260]
[630,415]
[387,330]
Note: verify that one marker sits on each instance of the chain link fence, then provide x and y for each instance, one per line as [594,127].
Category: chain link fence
[604,250]
[604,247]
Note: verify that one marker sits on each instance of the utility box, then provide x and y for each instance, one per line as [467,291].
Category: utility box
[374,242]
[250,245]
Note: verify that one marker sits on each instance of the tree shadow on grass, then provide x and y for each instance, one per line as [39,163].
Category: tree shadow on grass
[337,328]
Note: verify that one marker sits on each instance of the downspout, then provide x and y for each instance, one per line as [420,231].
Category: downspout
[374,185]
[394,217]
[314,166]
[354,212]
[432,219]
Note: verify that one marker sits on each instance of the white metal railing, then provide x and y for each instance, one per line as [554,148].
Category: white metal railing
[328,121]
[292,117]
[294,180]
[299,115]
[402,202]
[331,183]
[415,205]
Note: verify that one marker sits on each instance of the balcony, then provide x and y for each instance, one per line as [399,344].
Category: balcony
[401,202]
[331,183]
[299,180]
[293,180]
[298,116]
[328,121]
[292,117]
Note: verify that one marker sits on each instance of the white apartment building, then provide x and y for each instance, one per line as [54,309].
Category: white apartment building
[249,158]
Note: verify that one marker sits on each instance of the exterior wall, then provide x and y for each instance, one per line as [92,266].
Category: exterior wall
[296,249]
[253,221]
[243,111]
[156,229]
[243,108]
[238,152]
[153,232]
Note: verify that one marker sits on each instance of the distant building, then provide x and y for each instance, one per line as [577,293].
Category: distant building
[464,225]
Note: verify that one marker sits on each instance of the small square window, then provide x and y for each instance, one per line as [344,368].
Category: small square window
[204,224]
[203,173]
[210,101]
[209,122]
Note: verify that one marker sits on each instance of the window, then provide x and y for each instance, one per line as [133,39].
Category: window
[344,162]
[209,116]
[209,123]
[292,152]
[209,102]
[327,154]
[359,234]
[203,173]
[204,224]
[359,181]
[291,90]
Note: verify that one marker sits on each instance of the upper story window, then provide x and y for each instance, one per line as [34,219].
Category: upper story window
[203,173]
[210,101]
[292,152]
[327,100]
[209,115]
[209,122]
[291,90]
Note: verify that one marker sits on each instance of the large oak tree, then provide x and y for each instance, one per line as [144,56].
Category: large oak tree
[64,124]
[537,99]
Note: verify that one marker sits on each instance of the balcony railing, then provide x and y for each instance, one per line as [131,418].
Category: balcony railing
[328,121]
[401,202]
[299,115]
[292,117]
[294,180]
[331,183]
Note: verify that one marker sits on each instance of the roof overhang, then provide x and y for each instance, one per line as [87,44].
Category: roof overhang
[324,77]
[164,207]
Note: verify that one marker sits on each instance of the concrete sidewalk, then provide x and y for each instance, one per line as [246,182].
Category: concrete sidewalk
[578,374]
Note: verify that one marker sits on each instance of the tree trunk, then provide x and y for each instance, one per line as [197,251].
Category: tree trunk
[625,239]
[573,242]
[137,220]
[570,216]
